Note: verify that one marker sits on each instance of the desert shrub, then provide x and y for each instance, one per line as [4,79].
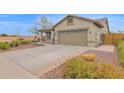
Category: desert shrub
[15,43]
[20,42]
[11,44]
[77,68]
[1,43]
[89,57]
[26,42]
[4,45]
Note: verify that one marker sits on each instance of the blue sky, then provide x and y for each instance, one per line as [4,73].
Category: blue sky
[21,23]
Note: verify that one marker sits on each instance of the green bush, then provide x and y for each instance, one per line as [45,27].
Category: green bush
[19,42]
[1,44]
[77,68]
[26,42]
[4,45]
[15,43]
[22,41]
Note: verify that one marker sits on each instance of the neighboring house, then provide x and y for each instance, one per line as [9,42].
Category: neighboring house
[75,30]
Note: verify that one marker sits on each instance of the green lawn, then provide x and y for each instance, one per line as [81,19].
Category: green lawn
[120,46]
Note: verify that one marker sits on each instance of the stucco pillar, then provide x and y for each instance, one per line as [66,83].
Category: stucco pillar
[53,37]
[91,38]
[41,36]
[56,37]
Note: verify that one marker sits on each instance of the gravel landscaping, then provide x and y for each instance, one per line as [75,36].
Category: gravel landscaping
[101,56]
[104,56]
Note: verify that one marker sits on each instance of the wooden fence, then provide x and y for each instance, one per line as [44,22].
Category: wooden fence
[112,38]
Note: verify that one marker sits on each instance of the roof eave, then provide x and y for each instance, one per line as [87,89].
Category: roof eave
[98,24]
[46,30]
[91,20]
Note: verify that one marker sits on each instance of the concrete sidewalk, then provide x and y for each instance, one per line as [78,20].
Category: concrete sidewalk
[106,48]
[10,70]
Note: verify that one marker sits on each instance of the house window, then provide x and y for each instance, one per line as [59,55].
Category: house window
[70,20]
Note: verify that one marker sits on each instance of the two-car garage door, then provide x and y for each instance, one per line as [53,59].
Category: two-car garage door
[77,37]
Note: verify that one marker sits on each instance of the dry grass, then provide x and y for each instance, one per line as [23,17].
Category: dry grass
[78,68]
[7,39]
[10,38]
[89,57]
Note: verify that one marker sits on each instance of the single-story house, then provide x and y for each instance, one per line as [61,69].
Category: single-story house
[75,30]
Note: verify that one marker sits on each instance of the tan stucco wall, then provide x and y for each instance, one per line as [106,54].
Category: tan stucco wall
[103,21]
[78,24]
[93,35]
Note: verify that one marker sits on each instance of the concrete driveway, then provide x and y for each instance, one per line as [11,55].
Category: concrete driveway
[34,62]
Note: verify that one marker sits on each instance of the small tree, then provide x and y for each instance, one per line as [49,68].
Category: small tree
[34,30]
[42,23]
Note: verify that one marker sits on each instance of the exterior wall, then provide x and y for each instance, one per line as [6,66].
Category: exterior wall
[49,37]
[91,38]
[78,24]
[104,22]
[97,32]
[93,35]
